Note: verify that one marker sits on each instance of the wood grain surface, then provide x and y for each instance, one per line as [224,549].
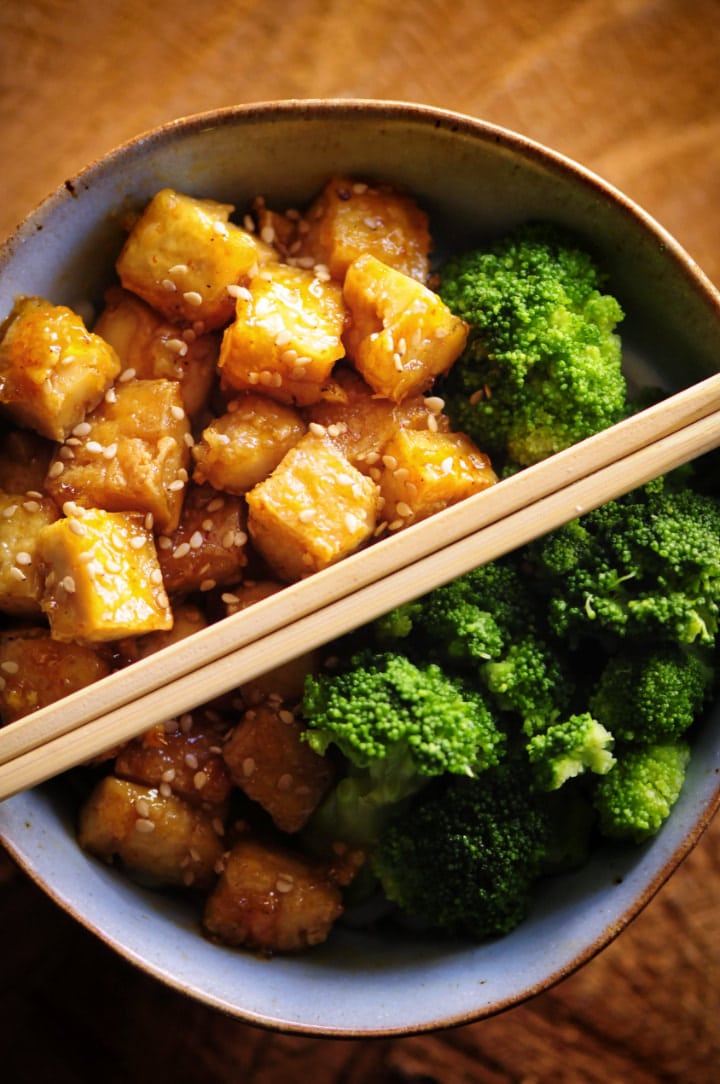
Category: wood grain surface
[629,88]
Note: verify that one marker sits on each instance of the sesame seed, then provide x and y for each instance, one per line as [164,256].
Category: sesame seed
[22,557]
[177,412]
[77,527]
[31,506]
[10,511]
[166,790]
[248,767]
[200,780]
[403,509]
[228,598]
[178,346]
[142,807]
[176,486]
[307,515]
[286,716]
[111,396]
[55,470]
[17,574]
[168,775]
[192,297]
[68,584]
[137,542]
[208,585]
[351,521]
[82,429]
[435,404]
[169,285]
[127,375]
[94,447]
[9,667]
[216,504]
[178,269]
[284,883]
[144,825]
[317,430]
[181,551]
[192,761]
[390,462]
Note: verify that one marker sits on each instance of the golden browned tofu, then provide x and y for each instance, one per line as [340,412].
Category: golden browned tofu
[286,335]
[401,335]
[154,835]
[421,473]
[153,349]
[208,546]
[183,758]
[25,457]
[352,217]
[187,619]
[240,448]
[182,254]
[52,369]
[102,577]
[361,425]
[130,454]
[313,510]
[22,518]
[271,763]
[272,900]
[36,670]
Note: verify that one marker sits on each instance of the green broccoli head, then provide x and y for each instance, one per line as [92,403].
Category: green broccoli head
[643,567]
[635,799]
[529,680]
[542,368]
[569,748]
[465,855]
[397,724]
[653,694]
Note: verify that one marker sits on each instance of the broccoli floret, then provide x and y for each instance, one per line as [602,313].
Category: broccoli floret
[643,567]
[397,725]
[542,367]
[652,695]
[635,799]
[529,680]
[569,748]
[465,855]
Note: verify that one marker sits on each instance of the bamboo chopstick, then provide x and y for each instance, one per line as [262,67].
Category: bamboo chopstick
[360,588]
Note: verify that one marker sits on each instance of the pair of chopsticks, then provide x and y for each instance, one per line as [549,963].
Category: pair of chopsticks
[360,588]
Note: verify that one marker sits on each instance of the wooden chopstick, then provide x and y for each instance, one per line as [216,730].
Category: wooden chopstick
[360,588]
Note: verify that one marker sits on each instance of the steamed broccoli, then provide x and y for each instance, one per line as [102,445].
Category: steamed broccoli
[488,622]
[465,855]
[653,694]
[397,725]
[542,367]
[643,567]
[569,748]
[635,799]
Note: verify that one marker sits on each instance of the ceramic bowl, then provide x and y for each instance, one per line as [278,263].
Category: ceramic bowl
[474,179]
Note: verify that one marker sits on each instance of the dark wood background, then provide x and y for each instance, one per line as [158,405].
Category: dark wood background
[628,87]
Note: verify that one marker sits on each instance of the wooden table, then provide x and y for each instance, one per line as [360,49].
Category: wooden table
[628,87]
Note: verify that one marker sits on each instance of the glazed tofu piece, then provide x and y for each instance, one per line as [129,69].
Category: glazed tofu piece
[153,835]
[22,518]
[270,899]
[401,335]
[187,620]
[102,577]
[182,254]
[240,448]
[286,335]
[421,473]
[271,763]
[52,369]
[183,758]
[352,217]
[36,670]
[313,510]
[209,545]
[25,457]
[361,425]
[151,348]
[130,454]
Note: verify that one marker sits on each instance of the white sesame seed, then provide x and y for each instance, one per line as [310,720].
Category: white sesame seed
[403,509]
[169,285]
[200,780]
[142,807]
[127,375]
[196,540]
[181,551]
[94,447]
[68,584]
[10,511]
[192,297]
[176,486]
[55,470]
[22,557]
[178,269]
[248,767]
[178,413]
[31,506]
[9,667]
[144,825]
[17,574]
[307,515]
[77,527]
[317,430]
[156,577]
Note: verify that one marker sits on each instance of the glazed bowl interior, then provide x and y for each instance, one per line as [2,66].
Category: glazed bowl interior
[475,180]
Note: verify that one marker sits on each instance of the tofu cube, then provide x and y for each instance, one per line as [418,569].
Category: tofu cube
[362,424]
[270,762]
[182,254]
[52,369]
[350,218]
[154,349]
[22,518]
[423,472]
[208,546]
[187,620]
[102,577]
[241,447]
[130,454]
[36,670]
[186,761]
[313,510]
[270,899]
[286,335]
[155,836]
[401,335]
